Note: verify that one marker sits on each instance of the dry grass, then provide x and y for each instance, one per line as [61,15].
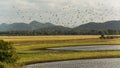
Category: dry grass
[41,38]
[29,47]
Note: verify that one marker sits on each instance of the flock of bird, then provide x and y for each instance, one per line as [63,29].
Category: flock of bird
[65,16]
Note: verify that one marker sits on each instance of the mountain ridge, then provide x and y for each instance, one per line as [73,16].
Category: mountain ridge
[35,25]
[113,25]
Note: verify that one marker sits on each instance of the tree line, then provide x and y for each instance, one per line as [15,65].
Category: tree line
[59,32]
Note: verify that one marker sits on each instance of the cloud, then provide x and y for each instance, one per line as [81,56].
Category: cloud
[23,4]
[89,10]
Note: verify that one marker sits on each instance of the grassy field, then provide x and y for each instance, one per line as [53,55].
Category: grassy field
[31,49]
[44,38]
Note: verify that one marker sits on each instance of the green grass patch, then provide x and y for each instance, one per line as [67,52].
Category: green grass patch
[55,55]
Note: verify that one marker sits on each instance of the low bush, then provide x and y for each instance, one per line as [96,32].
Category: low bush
[2,65]
[7,52]
[8,55]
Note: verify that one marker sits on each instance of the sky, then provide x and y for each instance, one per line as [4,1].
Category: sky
[68,13]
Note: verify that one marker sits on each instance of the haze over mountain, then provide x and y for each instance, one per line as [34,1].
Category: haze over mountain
[35,25]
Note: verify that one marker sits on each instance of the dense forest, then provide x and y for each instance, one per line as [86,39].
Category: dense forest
[59,32]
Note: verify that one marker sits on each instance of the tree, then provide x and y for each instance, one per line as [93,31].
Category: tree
[102,36]
[7,52]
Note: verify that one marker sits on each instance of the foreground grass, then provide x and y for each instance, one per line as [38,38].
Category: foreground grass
[31,49]
[33,45]
[50,55]
[11,65]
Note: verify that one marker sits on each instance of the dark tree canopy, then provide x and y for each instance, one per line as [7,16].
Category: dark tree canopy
[59,32]
[7,52]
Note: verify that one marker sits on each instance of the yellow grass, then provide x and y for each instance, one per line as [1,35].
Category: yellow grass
[29,47]
[57,37]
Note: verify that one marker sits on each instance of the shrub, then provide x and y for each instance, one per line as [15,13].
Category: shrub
[2,65]
[7,52]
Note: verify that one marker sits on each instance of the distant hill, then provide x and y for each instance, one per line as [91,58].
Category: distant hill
[112,25]
[37,28]
[35,25]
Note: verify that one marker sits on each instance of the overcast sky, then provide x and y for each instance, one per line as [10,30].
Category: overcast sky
[61,12]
